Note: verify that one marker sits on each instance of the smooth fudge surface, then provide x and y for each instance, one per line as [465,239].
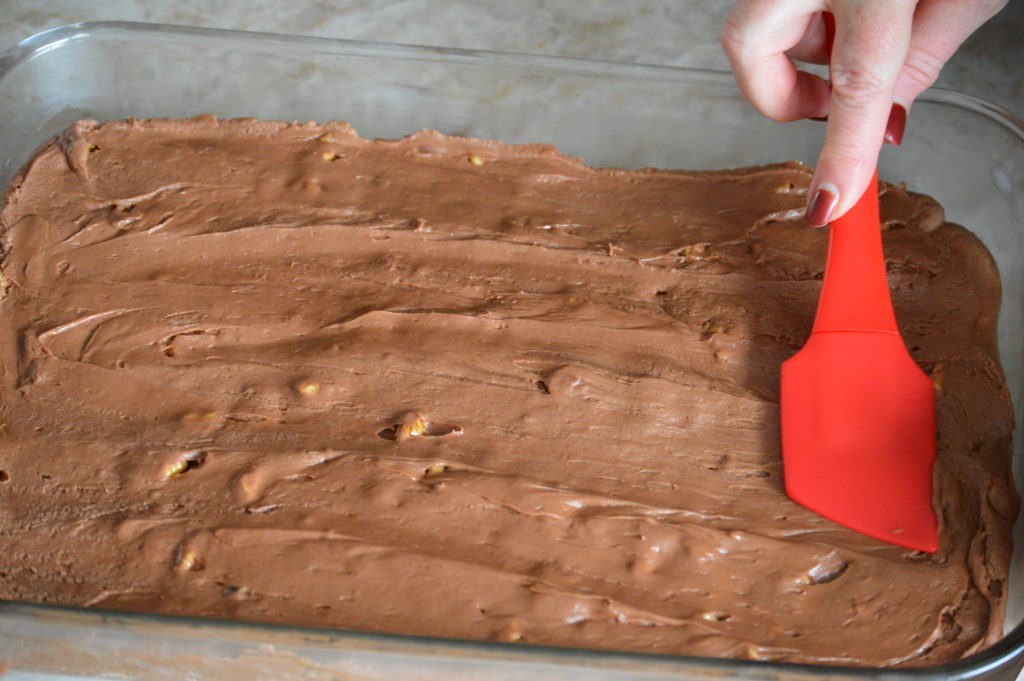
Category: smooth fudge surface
[446,386]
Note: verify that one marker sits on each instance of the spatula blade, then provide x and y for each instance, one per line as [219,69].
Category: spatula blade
[858,435]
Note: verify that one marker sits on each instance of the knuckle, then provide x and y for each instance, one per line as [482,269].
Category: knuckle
[732,37]
[855,85]
[922,67]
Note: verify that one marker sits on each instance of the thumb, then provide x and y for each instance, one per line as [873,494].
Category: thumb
[870,47]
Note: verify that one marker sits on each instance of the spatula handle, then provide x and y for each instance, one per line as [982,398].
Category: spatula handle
[855,293]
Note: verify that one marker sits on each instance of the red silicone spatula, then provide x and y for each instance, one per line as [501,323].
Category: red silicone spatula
[858,415]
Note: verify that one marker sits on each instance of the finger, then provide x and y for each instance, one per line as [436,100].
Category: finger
[813,47]
[940,27]
[755,38]
[867,55]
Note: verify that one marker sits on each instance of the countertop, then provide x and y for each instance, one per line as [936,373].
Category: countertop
[678,32]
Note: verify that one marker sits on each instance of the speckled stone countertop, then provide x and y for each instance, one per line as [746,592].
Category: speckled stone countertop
[678,32]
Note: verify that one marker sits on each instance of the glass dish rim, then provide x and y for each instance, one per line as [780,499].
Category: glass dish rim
[53,38]
[1003,652]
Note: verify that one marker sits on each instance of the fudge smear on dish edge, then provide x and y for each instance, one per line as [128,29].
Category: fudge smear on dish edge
[451,387]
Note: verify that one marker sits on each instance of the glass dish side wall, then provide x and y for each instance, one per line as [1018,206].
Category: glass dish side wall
[966,153]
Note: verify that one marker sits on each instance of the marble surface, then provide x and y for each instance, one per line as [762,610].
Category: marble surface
[678,32]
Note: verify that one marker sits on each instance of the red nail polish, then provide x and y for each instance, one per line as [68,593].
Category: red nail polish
[896,124]
[830,33]
[821,207]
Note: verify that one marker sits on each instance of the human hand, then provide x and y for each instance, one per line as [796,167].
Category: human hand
[885,53]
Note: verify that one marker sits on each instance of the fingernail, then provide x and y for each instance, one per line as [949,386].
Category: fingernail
[896,124]
[830,32]
[818,118]
[822,205]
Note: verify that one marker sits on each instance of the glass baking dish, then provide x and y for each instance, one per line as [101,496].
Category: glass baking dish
[966,152]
